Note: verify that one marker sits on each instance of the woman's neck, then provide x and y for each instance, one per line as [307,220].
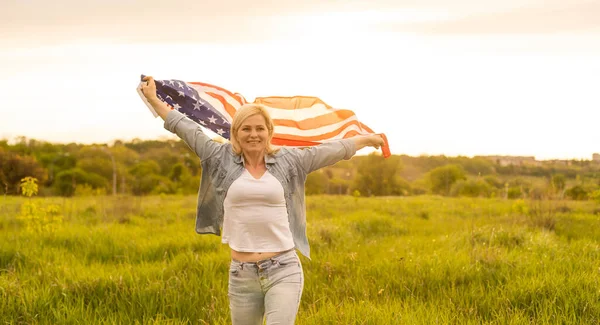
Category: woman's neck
[254,159]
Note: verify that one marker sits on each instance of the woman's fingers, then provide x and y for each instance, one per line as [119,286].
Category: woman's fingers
[149,81]
[148,87]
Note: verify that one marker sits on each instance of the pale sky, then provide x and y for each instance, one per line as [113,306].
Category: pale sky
[463,77]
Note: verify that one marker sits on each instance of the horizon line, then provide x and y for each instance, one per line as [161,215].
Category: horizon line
[371,150]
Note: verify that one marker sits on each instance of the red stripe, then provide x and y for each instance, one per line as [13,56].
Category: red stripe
[330,133]
[232,95]
[295,143]
[228,107]
[320,137]
[366,128]
[240,98]
[291,140]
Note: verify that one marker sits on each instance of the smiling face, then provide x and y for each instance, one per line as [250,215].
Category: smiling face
[253,135]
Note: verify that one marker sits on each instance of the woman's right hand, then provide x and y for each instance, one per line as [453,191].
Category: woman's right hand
[149,89]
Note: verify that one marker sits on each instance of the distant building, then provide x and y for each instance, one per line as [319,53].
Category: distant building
[560,162]
[596,157]
[514,160]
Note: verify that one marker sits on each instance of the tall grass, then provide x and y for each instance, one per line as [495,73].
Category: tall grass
[417,260]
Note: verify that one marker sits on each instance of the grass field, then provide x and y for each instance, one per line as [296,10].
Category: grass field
[413,260]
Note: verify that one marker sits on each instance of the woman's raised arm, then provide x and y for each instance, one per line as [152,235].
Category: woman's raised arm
[189,131]
[149,91]
[329,153]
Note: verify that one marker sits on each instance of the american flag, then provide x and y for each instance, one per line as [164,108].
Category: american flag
[300,121]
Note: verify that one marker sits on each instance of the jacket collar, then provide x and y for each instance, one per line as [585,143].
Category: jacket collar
[269,159]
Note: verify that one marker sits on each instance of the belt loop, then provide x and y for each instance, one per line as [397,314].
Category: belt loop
[242,266]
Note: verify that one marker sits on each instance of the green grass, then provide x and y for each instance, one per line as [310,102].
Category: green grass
[414,260]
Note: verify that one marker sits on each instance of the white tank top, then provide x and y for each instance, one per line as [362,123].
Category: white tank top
[255,215]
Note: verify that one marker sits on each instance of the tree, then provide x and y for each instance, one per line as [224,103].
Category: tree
[145,177]
[56,162]
[475,166]
[164,157]
[378,176]
[339,186]
[14,167]
[316,183]
[182,180]
[121,157]
[442,178]
[66,181]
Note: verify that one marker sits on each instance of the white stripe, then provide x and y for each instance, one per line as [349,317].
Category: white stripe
[231,100]
[338,136]
[216,104]
[300,113]
[319,131]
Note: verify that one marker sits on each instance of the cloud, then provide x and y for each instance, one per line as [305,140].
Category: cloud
[36,22]
[569,17]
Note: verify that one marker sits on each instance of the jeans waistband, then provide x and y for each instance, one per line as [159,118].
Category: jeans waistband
[270,259]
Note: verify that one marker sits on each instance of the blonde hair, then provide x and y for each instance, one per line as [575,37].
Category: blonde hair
[241,115]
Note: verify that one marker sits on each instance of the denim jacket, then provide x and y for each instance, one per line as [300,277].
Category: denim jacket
[221,166]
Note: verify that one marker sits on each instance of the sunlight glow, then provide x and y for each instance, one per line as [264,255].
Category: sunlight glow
[453,95]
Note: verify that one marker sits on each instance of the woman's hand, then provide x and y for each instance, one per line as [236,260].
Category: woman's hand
[149,89]
[376,141]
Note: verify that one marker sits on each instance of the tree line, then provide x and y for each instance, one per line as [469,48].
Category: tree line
[146,167]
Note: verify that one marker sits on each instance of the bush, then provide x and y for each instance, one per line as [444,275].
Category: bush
[67,181]
[515,192]
[472,188]
[443,178]
[577,192]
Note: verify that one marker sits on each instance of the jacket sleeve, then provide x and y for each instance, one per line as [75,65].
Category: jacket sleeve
[313,158]
[191,133]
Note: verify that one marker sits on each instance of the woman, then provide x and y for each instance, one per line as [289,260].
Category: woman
[256,195]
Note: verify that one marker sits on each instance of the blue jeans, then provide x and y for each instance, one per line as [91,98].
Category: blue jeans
[271,288]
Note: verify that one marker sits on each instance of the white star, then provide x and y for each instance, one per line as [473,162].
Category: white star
[179,84]
[162,82]
[194,97]
[176,106]
[184,114]
[202,122]
[197,106]
[220,131]
[169,97]
[181,93]
[212,119]
[225,121]
[171,82]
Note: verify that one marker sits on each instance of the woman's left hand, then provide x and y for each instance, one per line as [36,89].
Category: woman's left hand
[373,140]
[377,141]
